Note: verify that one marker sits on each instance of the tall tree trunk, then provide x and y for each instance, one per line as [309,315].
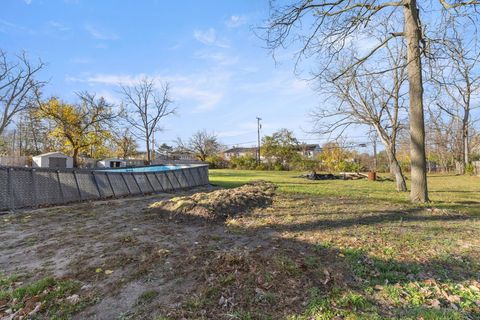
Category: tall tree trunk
[466,158]
[419,191]
[75,158]
[395,169]
[147,143]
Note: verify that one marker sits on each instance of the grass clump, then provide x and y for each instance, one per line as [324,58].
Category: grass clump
[56,298]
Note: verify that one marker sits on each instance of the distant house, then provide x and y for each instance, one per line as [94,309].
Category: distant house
[239,152]
[52,160]
[112,163]
[181,155]
[309,151]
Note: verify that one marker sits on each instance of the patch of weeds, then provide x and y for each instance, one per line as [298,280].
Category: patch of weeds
[376,270]
[389,252]
[318,308]
[7,282]
[266,297]
[415,296]
[193,303]
[393,293]
[353,300]
[30,241]
[323,245]
[147,296]
[45,295]
[311,262]
[241,315]
[287,265]
[211,296]
[227,279]
[432,314]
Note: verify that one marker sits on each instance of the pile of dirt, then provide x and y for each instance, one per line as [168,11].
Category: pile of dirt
[221,204]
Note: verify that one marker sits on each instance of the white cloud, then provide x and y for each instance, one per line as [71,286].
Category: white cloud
[235,21]
[201,92]
[218,58]
[284,83]
[7,26]
[28,2]
[57,25]
[209,37]
[100,34]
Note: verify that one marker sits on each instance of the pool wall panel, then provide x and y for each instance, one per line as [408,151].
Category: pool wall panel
[154,182]
[119,186]
[31,187]
[132,183]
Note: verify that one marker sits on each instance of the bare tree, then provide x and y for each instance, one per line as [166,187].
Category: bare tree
[325,28]
[202,144]
[373,100]
[146,106]
[458,76]
[18,86]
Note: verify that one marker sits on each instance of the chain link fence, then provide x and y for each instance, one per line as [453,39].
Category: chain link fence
[33,187]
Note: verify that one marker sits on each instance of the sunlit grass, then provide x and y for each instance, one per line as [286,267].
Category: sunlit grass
[446,191]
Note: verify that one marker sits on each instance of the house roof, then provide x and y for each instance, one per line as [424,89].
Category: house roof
[301,147]
[308,147]
[56,153]
[240,150]
[112,159]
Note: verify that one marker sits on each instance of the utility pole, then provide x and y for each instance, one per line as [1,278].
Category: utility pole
[259,126]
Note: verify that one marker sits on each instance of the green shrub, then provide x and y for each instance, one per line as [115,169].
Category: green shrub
[470,169]
[216,162]
[246,162]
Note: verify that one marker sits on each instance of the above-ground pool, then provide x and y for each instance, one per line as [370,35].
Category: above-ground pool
[144,169]
[33,187]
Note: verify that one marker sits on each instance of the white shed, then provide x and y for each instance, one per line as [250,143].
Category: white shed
[112,163]
[52,160]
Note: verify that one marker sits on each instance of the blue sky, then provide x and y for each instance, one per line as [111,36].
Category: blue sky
[220,74]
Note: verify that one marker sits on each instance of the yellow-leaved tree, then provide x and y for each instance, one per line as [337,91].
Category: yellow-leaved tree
[79,128]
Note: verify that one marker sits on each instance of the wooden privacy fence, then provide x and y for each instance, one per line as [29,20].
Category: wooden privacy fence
[32,187]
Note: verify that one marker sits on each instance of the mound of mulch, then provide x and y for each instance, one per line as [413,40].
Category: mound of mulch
[221,204]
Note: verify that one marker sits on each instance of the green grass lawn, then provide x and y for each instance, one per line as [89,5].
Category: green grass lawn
[446,191]
[406,261]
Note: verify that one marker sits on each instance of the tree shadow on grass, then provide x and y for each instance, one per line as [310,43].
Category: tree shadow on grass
[374,218]
[346,281]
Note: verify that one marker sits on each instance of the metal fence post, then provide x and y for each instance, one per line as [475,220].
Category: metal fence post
[125,181]
[110,183]
[151,185]
[134,179]
[168,179]
[186,179]
[96,185]
[78,187]
[60,187]
[158,180]
[178,181]
[34,187]
[10,189]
